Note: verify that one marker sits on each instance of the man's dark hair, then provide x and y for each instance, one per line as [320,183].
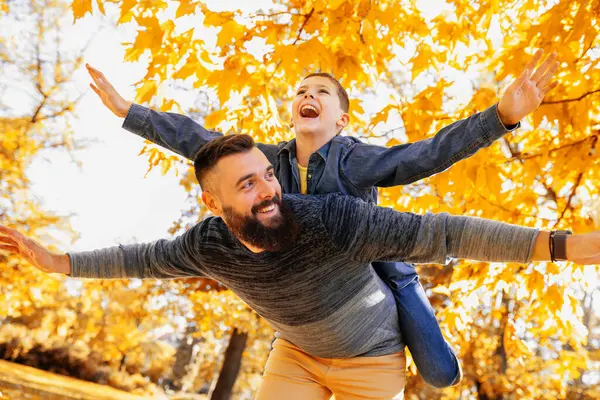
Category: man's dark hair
[213,151]
[341,92]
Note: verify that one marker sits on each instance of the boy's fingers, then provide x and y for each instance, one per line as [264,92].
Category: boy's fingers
[91,69]
[548,88]
[535,60]
[95,73]
[519,81]
[539,73]
[95,89]
[543,82]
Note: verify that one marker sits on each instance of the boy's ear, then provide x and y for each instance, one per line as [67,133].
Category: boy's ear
[212,203]
[343,121]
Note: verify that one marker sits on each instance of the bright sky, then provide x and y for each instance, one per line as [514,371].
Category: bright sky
[112,201]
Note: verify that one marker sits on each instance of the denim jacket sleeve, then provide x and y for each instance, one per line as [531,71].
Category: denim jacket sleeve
[366,165]
[176,132]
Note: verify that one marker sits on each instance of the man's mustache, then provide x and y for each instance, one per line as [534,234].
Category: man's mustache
[275,200]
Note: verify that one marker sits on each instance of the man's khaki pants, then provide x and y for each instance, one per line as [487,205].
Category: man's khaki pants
[292,374]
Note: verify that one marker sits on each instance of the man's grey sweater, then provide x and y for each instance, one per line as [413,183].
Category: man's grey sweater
[322,294]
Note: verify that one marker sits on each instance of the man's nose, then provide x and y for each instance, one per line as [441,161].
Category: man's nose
[266,190]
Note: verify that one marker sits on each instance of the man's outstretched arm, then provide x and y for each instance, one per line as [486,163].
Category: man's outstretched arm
[175,132]
[368,233]
[162,259]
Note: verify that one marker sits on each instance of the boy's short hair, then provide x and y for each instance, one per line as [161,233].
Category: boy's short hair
[213,151]
[341,92]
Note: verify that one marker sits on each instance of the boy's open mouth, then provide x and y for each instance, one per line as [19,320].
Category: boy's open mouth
[308,111]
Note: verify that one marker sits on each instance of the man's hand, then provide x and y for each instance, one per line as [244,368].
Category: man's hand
[18,244]
[526,93]
[107,93]
[584,249]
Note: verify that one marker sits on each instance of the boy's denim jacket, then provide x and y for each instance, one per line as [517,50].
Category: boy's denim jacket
[344,164]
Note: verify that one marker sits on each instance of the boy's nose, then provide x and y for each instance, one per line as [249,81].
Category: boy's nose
[307,95]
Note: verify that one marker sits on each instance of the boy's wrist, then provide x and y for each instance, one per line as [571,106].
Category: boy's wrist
[124,108]
[506,119]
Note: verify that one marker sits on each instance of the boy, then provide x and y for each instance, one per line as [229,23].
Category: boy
[320,161]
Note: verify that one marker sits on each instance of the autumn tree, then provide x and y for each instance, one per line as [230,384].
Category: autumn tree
[519,329]
[48,321]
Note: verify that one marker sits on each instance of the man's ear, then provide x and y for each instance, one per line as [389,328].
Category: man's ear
[212,203]
[343,121]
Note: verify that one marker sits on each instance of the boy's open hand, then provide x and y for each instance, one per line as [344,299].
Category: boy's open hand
[526,93]
[19,244]
[107,93]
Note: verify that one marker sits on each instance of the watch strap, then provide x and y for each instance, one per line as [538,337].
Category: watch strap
[558,245]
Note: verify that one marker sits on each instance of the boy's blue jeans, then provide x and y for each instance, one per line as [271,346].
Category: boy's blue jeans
[435,359]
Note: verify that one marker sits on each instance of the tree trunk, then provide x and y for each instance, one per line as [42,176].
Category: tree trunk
[183,356]
[231,366]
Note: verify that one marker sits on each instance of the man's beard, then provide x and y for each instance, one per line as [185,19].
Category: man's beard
[280,236]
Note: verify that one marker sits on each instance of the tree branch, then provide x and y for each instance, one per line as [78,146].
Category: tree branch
[519,157]
[572,100]
[306,18]
[570,199]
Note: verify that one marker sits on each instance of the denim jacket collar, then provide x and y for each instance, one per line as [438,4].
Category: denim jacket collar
[290,147]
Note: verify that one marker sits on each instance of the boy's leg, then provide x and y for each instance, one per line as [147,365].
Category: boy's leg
[292,374]
[382,377]
[435,359]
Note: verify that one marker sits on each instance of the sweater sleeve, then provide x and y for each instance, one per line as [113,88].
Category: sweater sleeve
[370,233]
[163,259]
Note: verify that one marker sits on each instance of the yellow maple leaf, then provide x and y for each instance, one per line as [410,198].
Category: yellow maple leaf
[185,7]
[535,282]
[231,31]
[80,8]
[553,298]
[101,6]
[146,91]
[335,4]
[212,18]
[187,69]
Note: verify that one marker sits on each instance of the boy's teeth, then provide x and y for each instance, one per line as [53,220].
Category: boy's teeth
[309,111]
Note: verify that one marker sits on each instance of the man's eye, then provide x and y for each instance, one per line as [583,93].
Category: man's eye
[270,174]
[247,185]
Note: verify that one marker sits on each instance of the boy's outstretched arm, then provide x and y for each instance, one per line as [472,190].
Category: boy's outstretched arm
[174,132]
[407,163]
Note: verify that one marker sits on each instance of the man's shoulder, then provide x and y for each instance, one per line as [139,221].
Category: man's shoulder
[301,199]
[311,204]
[210,228]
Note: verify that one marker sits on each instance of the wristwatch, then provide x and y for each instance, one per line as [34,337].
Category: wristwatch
[558,245]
